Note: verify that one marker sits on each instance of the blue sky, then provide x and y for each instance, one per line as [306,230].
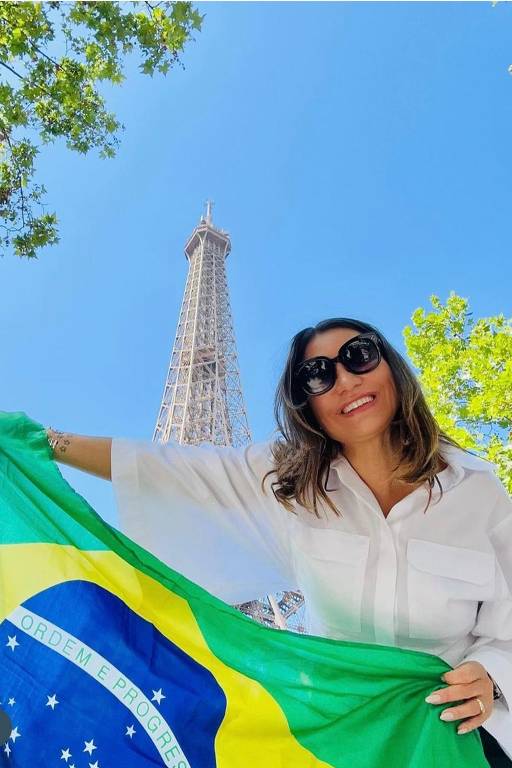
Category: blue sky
[359,154]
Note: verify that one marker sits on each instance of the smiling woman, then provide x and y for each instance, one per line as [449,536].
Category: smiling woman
[391,440]
[394,534]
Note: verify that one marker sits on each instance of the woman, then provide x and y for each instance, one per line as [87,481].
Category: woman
[394,534]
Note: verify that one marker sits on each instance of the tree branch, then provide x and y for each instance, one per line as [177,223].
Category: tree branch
[19,179]
[31,42]
[26,80]
[13,71]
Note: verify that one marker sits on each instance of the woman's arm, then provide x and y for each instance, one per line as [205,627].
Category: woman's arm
[91,454]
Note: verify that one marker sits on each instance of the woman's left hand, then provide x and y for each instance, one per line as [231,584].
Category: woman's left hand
[467,681]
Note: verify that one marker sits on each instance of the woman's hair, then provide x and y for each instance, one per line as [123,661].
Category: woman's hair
[303,458]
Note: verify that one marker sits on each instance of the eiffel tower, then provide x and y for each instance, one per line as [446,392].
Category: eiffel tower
[202,401]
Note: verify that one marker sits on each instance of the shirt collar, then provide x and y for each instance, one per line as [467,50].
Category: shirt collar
[459,463]
[456,456]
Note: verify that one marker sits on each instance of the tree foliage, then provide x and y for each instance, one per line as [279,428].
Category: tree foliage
[465,369]
[53,57]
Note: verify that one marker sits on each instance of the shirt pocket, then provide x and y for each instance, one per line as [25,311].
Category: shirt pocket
[444,586]
[330,567]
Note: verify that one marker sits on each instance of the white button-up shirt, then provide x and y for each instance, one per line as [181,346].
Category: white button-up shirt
[438,581]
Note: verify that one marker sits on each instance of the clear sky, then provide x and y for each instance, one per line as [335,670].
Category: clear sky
[359,154]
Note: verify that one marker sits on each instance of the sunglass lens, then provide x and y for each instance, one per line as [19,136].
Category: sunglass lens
[316,376]
[362,355]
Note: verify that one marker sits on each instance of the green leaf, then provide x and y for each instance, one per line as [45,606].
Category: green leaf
[465,370]
[58,98]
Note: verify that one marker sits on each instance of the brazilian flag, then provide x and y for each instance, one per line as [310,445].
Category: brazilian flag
[110,659]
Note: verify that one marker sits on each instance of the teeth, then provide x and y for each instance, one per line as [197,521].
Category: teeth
[357,403]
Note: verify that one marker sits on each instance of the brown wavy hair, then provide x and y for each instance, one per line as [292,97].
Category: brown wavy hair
[304,453]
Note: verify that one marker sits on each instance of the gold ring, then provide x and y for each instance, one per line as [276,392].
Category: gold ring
[482,708]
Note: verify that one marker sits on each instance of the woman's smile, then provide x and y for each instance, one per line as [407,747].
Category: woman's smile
[360,408]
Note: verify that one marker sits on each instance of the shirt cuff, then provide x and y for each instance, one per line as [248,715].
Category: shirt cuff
[125,483]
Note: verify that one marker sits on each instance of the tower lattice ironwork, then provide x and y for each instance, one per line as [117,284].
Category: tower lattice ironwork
[202,400]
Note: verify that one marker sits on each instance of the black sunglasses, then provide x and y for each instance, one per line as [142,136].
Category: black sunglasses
[359,355]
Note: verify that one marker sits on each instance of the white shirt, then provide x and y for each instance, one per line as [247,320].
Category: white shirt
[439,581]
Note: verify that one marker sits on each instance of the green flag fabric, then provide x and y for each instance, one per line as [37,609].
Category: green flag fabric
[110,658]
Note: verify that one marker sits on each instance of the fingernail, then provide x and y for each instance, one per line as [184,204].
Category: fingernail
[446,715]
[433,699]
[462,730]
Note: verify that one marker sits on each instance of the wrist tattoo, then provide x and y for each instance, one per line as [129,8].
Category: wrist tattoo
[59,441]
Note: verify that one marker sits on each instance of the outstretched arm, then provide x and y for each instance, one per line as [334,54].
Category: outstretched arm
[90,454]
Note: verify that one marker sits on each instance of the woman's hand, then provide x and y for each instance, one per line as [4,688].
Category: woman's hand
[467,681]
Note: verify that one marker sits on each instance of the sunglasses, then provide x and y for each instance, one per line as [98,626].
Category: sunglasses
[359,355]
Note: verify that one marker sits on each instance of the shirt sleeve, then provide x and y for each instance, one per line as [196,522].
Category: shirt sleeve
[201,510]
[493,629]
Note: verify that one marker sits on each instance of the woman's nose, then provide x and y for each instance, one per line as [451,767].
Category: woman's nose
[344,378]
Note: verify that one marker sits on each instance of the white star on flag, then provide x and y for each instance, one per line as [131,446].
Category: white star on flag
[66,754]
[14,734]
[89,746]
[52,700]
[7,749]
[158,696]
[130,730]
[12,702]
[94,765]
[12,642]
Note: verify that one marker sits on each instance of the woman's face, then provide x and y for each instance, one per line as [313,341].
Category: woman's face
[360,424]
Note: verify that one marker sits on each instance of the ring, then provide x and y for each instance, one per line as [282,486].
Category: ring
[482,708]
